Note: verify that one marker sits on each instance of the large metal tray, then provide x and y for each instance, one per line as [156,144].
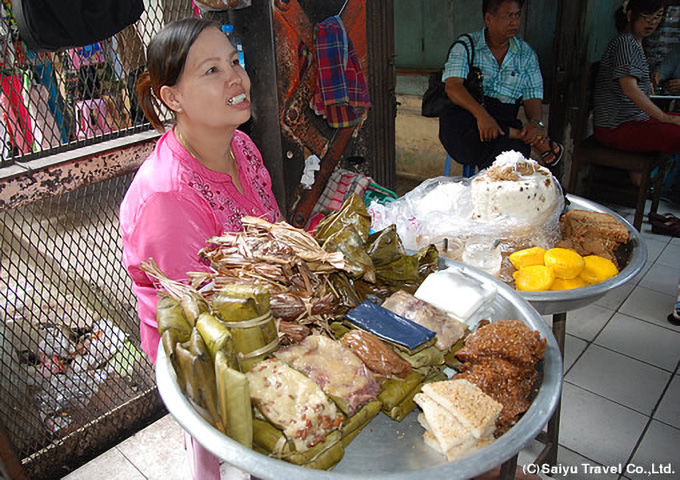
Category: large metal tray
[560,301]
[386,449]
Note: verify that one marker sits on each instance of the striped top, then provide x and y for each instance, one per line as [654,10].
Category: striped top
[624,57]
[518,77]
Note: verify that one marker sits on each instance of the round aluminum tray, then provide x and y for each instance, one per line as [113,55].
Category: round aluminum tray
[385,449]
[560,301]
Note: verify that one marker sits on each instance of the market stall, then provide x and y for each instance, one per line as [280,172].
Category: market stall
[386,448]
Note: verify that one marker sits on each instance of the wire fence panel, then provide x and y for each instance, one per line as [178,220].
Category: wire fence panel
[73,379]
[69,334]
[52,102]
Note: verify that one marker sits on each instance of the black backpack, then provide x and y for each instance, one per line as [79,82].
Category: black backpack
[51,25]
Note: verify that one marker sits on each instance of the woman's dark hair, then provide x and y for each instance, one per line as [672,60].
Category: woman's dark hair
[638,7]
[165,59]
[492,6]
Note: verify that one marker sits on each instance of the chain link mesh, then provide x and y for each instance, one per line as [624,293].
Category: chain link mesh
[69,334]
[52,102]
[72,376]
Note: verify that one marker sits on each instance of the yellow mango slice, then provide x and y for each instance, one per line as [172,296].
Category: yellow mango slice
[527,257]
[534,278]
[562,284]
[597,269]
[566,263]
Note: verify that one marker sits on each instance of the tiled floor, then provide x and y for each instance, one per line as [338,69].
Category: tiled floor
[620,402]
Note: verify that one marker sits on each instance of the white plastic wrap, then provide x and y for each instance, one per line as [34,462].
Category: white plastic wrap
[489,208]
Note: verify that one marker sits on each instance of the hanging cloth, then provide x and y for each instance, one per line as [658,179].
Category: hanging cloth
[341,95]
[14,107]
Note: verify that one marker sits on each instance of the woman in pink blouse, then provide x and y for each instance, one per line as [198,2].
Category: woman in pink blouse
[203,176]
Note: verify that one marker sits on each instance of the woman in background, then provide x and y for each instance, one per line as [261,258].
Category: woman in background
[203,176]
[625,117]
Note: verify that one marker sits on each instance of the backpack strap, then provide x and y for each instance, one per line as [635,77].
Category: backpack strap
[470,51]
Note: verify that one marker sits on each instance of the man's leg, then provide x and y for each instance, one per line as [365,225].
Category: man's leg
[459,135]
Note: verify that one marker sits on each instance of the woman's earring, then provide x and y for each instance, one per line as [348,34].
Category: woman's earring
[179,110]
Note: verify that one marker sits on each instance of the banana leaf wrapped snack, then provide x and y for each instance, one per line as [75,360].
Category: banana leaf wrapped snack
[244,309]
[448,329]
[170,316]
[233,396]
[269,440]
[397,394]
[353,425]
[377,356]
[198,371]
[339,373]
[293,403]
[352,213]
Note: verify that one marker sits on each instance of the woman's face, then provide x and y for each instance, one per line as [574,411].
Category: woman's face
[647,23]
[213,89]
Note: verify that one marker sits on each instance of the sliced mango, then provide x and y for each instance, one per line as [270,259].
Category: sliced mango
[562,284]
[566,263]
[534,278]
[597,269]
[527,257]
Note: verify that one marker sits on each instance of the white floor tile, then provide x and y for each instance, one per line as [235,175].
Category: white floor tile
[585,419]
[158,450]
[614,298]
[671,257]
[654,248]
[580,467]
[586,322]
[111,465]
[642,273]
[669,408]
[675,241]
[650,306]
[662,278]
[573,348]
[619,378]
[642,340]
[659,446]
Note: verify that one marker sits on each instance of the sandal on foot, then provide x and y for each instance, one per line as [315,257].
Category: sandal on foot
[663,217]
[551,151]
[672,319]
[670,227]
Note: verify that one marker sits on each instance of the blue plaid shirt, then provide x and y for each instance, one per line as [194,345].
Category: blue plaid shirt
[518,77]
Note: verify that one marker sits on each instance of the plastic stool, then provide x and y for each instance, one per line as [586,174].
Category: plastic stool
[468,170]
[91,116]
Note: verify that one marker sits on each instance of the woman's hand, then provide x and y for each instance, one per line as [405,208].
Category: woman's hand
[488,127]
[674,119]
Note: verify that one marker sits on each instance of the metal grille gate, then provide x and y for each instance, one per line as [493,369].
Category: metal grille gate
[72,377]
[73,381]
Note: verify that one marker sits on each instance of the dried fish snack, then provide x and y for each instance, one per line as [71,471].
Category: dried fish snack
[233,397]
[293,403]
[448,329]
[244,309]
[376,355]
[339,373]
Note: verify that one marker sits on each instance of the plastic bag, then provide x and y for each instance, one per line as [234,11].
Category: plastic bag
[487,207]
[448,330]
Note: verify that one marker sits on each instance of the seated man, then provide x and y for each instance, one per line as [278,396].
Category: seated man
[473,133]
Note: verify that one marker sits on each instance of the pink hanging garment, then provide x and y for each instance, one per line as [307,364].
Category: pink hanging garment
[18,119]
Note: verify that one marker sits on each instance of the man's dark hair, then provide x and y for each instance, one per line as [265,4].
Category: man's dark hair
[492,6]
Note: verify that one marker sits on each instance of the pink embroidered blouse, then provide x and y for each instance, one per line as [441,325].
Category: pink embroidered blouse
[174,205]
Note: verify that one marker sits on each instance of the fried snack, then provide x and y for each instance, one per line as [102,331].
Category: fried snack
[508,339]
[592,233]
